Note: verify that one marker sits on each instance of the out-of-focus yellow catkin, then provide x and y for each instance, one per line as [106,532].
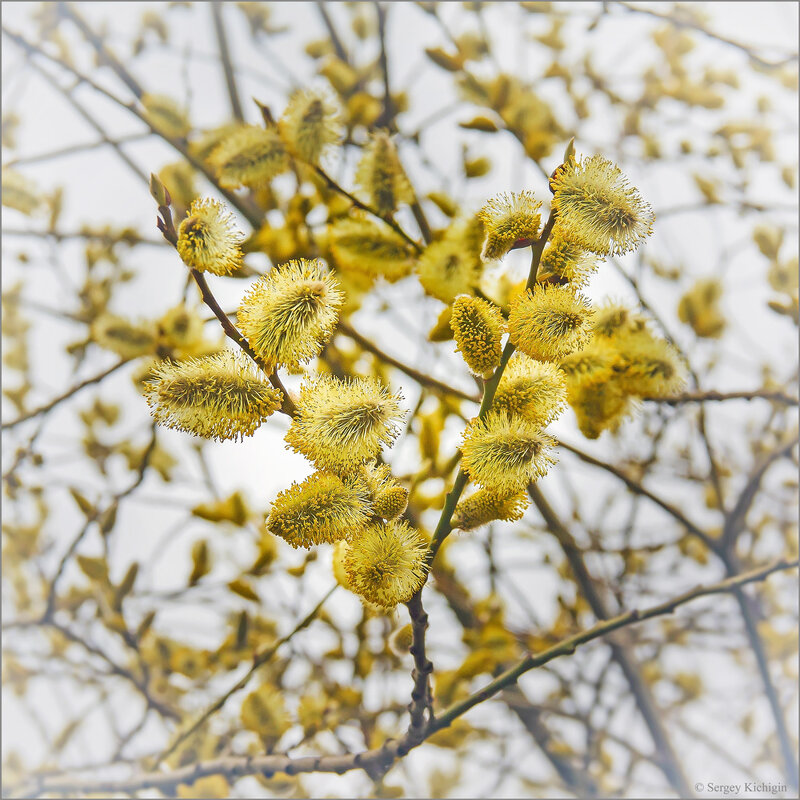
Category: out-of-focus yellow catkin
[612,319]
[653,368]
[322,509]
[339,552]
[504,454]
[220,396]
[370,247]
[535,390]
[208,240]
[452,265]
[597,208]
[597,363]
[485,506]
[288,314]
[122,336]
[478,328]
[165,115]
[204,145]
[550,322]
[401,640]
[180,328]
[249,156]
[600,406]
[343,423]
[311,124]
[699,307]
[566,262]
[386,564]
[179,180]
[19,192]
[264,712]
[507,219]
[382,183]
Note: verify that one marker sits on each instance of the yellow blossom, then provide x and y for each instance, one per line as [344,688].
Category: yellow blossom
[535,390]
[509,218]
[380,177]
[370,247]
[208,240]
[289,314]
[311,124]
[485,506]
[249,156]
[478,328]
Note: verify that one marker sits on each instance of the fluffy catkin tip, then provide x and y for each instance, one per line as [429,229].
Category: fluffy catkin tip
[208,240]
[386,563]
[550,322]
[321,509]
[311,124]
[504,454]
[217,397]
[597,208]
[249,156]
[507,219]
[290,313]
[485,506]
[535,390]
[478,328]
[341,424]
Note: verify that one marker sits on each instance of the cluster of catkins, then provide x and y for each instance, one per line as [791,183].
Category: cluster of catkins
[559,348]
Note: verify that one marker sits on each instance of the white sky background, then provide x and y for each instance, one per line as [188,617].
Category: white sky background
[100,190]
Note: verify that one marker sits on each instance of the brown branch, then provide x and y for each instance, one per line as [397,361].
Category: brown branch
[332,32]
[424,380]
[65,396]
[225,58]
[380,759]
[714,397]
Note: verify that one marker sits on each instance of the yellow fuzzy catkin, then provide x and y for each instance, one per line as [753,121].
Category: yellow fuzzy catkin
[288,314]
[478,328]
[340,424]
[19,192]
[321,509]
[600,406]
[373,248]
[180,182]
[122,336]
[652,367]
[566,262]
[180,327]
[699,307]
[208,240]
[389,498]
[264,712]
[311,124]
[165,115]
[509,218]
[597,208]
[249,156]
[485,506]
[385,565]
[535,390]
[382,183]
[613,319]
[598,363]
[550,322]
[217,397]
[504,454]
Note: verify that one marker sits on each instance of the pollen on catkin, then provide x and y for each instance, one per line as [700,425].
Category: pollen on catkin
[122,336]
[382,183]
[208,240]
[343,423]
[478,328]
[221,396]
[507,219]
[389,498]
[311,124]
[288,314]
[322,509]
[550,322]
[373,248]
[535,390]
[485,506]
[385,565]
[566,262]
[504,454]
[249,156]
[597,208]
